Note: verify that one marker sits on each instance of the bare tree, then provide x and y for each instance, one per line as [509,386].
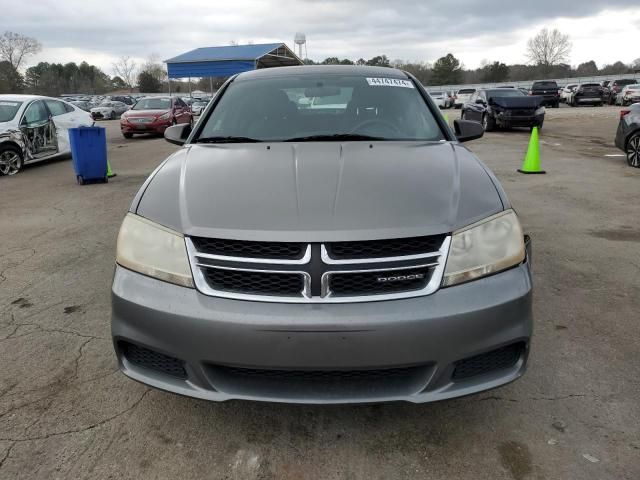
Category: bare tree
[549,48]
[125,68]
[15,47]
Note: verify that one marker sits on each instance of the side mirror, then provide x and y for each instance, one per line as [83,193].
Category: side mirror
[467,130]
[177,134]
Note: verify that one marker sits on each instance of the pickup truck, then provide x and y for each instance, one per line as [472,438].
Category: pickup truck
[548,90]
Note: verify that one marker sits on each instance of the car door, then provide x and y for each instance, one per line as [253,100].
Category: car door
[38,131]
[180,111]
[474,109]
[64,117]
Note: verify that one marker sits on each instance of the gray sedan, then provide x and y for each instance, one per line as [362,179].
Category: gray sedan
[322,237]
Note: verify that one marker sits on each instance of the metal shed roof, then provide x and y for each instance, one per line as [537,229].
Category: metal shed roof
[229,60]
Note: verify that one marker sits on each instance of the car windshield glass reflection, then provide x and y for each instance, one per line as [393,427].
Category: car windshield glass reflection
[322,108]
[8,110]
[153,104]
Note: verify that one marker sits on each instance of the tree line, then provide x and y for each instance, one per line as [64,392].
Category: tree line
[547,54]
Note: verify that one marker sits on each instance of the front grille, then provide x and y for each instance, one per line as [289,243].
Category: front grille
[336,272]
[321,375]
[384,248]
[254,282]
[498,359]
[521,113]
[329,384]
[144,357]
[238,248]
[372,283]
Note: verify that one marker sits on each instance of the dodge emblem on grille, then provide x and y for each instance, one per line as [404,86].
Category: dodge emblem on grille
[401,278]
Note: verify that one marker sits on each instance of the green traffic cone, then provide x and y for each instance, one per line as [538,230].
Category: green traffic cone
[531,162]
[110,173]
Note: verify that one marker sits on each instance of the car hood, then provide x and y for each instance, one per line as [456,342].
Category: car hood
[517,102]
[146,113]
[319,191]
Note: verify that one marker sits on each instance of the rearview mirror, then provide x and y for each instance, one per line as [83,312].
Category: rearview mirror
[177,134]
[467,130]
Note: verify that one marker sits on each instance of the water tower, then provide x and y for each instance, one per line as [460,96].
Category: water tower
[301,39]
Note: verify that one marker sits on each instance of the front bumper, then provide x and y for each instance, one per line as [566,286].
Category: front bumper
[508,121]
[216,338]
[149,127]
[591,100]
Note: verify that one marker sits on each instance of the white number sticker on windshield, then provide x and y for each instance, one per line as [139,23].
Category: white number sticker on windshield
[9,104]
[389,82]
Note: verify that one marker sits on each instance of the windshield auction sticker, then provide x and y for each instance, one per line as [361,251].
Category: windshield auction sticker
[389,82]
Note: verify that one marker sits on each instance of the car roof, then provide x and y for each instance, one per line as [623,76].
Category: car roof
[387,72]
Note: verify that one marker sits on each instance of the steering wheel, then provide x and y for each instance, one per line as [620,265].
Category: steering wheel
[373,121]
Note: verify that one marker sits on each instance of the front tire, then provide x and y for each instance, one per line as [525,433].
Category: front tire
[633,151]
[11,161]
[488,123]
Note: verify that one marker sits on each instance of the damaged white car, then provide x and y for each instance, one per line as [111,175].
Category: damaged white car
[35,128]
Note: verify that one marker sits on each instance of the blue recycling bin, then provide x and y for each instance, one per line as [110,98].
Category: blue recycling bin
[89,154]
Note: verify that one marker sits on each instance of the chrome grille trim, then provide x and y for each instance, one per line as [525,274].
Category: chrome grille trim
[306,258]
[200,261]
[326,258]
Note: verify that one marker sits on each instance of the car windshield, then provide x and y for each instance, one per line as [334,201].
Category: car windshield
[625,82]
[199,104]
[8,110]
[545,85]
[436,94]
[321,107]
[466,91]
[153,104]
[505,93]
[633,87]
[106,104]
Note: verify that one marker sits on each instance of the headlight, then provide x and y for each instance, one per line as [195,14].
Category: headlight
[540,111]
[493,244]
[164,116]
[153,250]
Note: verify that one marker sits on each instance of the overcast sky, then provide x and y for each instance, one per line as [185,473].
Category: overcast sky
[100,32]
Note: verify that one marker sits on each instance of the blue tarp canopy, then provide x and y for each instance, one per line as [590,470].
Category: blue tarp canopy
[229,60]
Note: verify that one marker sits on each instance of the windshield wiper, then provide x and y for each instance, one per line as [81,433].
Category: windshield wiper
[334,137]
[227,139]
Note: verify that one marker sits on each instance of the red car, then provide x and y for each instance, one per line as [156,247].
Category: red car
[154,115]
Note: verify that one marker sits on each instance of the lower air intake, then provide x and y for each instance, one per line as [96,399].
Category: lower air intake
[143,357]
[499,359]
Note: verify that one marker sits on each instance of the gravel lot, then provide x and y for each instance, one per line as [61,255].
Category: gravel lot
[66,413]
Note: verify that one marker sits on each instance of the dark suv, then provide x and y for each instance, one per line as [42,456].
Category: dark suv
[548,90]
[587,93]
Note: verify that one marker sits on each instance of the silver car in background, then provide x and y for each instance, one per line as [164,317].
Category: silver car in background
[338,251]
[441,98]
[110,109]
[462,96]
